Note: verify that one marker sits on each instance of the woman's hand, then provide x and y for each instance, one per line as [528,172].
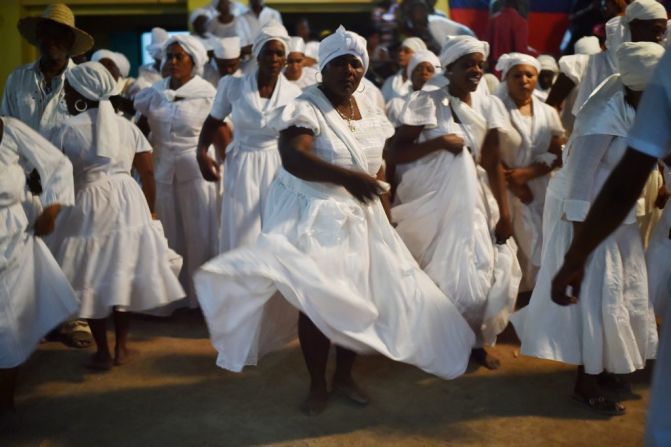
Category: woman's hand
[208,167]
[503,230]
[362,186]
[517,177]
[452,143]
[46,222]
[523,193]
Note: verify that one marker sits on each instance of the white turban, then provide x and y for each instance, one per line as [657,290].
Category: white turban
[193,46]
[94,82]
[271,31]
[458,46]
[414,44]
[119,60]
[227,47]
[548,63]
[208,13]
[296,45]
[340,43]
[422,56]
[637,61]
[312,50]
[508,61]
[158,37]
[644,10]
[587,45]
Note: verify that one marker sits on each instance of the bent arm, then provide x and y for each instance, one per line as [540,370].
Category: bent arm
[406,149]
[144,164]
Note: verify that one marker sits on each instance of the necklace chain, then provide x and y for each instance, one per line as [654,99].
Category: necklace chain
[350,117]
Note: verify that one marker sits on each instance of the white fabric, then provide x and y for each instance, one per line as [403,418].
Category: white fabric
[158,37]
[573,66]
[587,45]
[309,77]
[451,234]
[312,50]
[26,98]
[394,108]
[206,12]
[394,86]
[35,296]
[93,81]
[421,56]
[235,28]
[659,269]
[227,48]
[599,67]
[106,243]
[372,93]
[644,10]
[272,31]
[441,28]
[147,75]
[510,60]
[637,62]
[548,63]
[296,45]
[186,204]
[492,82]
[458,46]
[340,43]
[413,43]
[334,259]
[191,45]
[119,60]
[252,158]
[255,24]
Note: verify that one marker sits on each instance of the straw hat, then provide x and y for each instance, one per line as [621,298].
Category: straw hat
[59,13]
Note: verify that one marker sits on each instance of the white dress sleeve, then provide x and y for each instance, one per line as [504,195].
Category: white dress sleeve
[140,142]
[299,113]
[496,114]
[222,105]
[419,110]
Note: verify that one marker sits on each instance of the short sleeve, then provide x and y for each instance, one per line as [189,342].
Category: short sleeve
[553,121]
[495,113]
[299,113]
[573,67]
[651,133]
[140,142]
[222,105]
[419,110]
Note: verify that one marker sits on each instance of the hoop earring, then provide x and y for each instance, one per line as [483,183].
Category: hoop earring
[79,108]
[363,89]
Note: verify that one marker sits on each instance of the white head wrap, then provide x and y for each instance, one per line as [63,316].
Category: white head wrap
[644,10]
[227,48]
[637,61]
[458,46]
[193,46]
[548,63]
[340,43]
[312,50]
[422,56]
[508,61]
[207,12]
[414,44]
[119,60]
[94,82]
[271,31]
[587,45]
[296,45]
[158,37]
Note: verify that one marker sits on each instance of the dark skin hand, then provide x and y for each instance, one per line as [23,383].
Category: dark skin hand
[46,222]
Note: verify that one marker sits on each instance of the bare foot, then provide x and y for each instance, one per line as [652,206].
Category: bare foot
[479,355]
[124,355]
[100,362]
[349,389]
[317,400]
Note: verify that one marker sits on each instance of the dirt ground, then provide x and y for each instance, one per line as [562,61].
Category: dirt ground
[174,395]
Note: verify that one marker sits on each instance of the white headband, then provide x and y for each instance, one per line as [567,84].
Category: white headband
[510,60]
[340,43]
[296,45]
[227,48]
[458,46]
[637,62]
[419,57]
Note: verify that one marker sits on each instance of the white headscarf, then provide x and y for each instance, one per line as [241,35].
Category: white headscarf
[158,37]
[312,50]
[193,46]
[271,31]
[340,43]
[119,60]
[94,82]
[207,12]
[227,48]
[587,45]
[458,46]
[414,43]
[422,56]
[508,61]
[644,10]
[637,61]
[296,45]
[548,63]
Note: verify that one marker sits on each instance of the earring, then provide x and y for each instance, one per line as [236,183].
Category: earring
[79,107]
[363,89]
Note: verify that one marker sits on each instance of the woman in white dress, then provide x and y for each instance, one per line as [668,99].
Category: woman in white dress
[35,296]
[175,109]
[106,244]
[453,211]
[530,156]
[252,159]
[328,247]
[612,328]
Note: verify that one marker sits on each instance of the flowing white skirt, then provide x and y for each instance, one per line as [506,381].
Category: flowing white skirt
[340,263]
[112,252]
[446,219]
[247,178]
[657,260]
[35,296]
[612,327]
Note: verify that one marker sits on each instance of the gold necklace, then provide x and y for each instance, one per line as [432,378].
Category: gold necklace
[350,117]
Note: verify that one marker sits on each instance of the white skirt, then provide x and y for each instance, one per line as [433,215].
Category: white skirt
[657,260]
[446,219]
[340,263]
[35,297]
[247,178]
[112,252]
[612,327]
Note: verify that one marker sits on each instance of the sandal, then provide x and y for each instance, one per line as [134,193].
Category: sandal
[601,404]
[76,334]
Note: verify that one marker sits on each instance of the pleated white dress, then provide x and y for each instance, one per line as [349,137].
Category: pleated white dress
[334,259]
[657,258]
[106,244]
[252,158]
[612,327]
[447,213]
[35,295]
[186,204]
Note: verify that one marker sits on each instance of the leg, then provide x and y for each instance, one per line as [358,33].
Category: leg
[588,392]
[315,347]
[102,359]
[121,328]
[342,379]
[485,359]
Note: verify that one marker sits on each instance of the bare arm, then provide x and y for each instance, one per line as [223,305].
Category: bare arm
[560,91]
[405,149]
[490,160]
[143,162]
[208,167]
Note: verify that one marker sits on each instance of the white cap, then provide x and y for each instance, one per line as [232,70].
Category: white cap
[227,48]
[158,37]
[548,63]
[296,45]
[312,50]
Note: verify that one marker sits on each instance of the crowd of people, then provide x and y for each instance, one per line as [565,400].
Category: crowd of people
[267,180]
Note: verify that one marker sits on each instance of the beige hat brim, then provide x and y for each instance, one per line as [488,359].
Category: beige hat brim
[28,28]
